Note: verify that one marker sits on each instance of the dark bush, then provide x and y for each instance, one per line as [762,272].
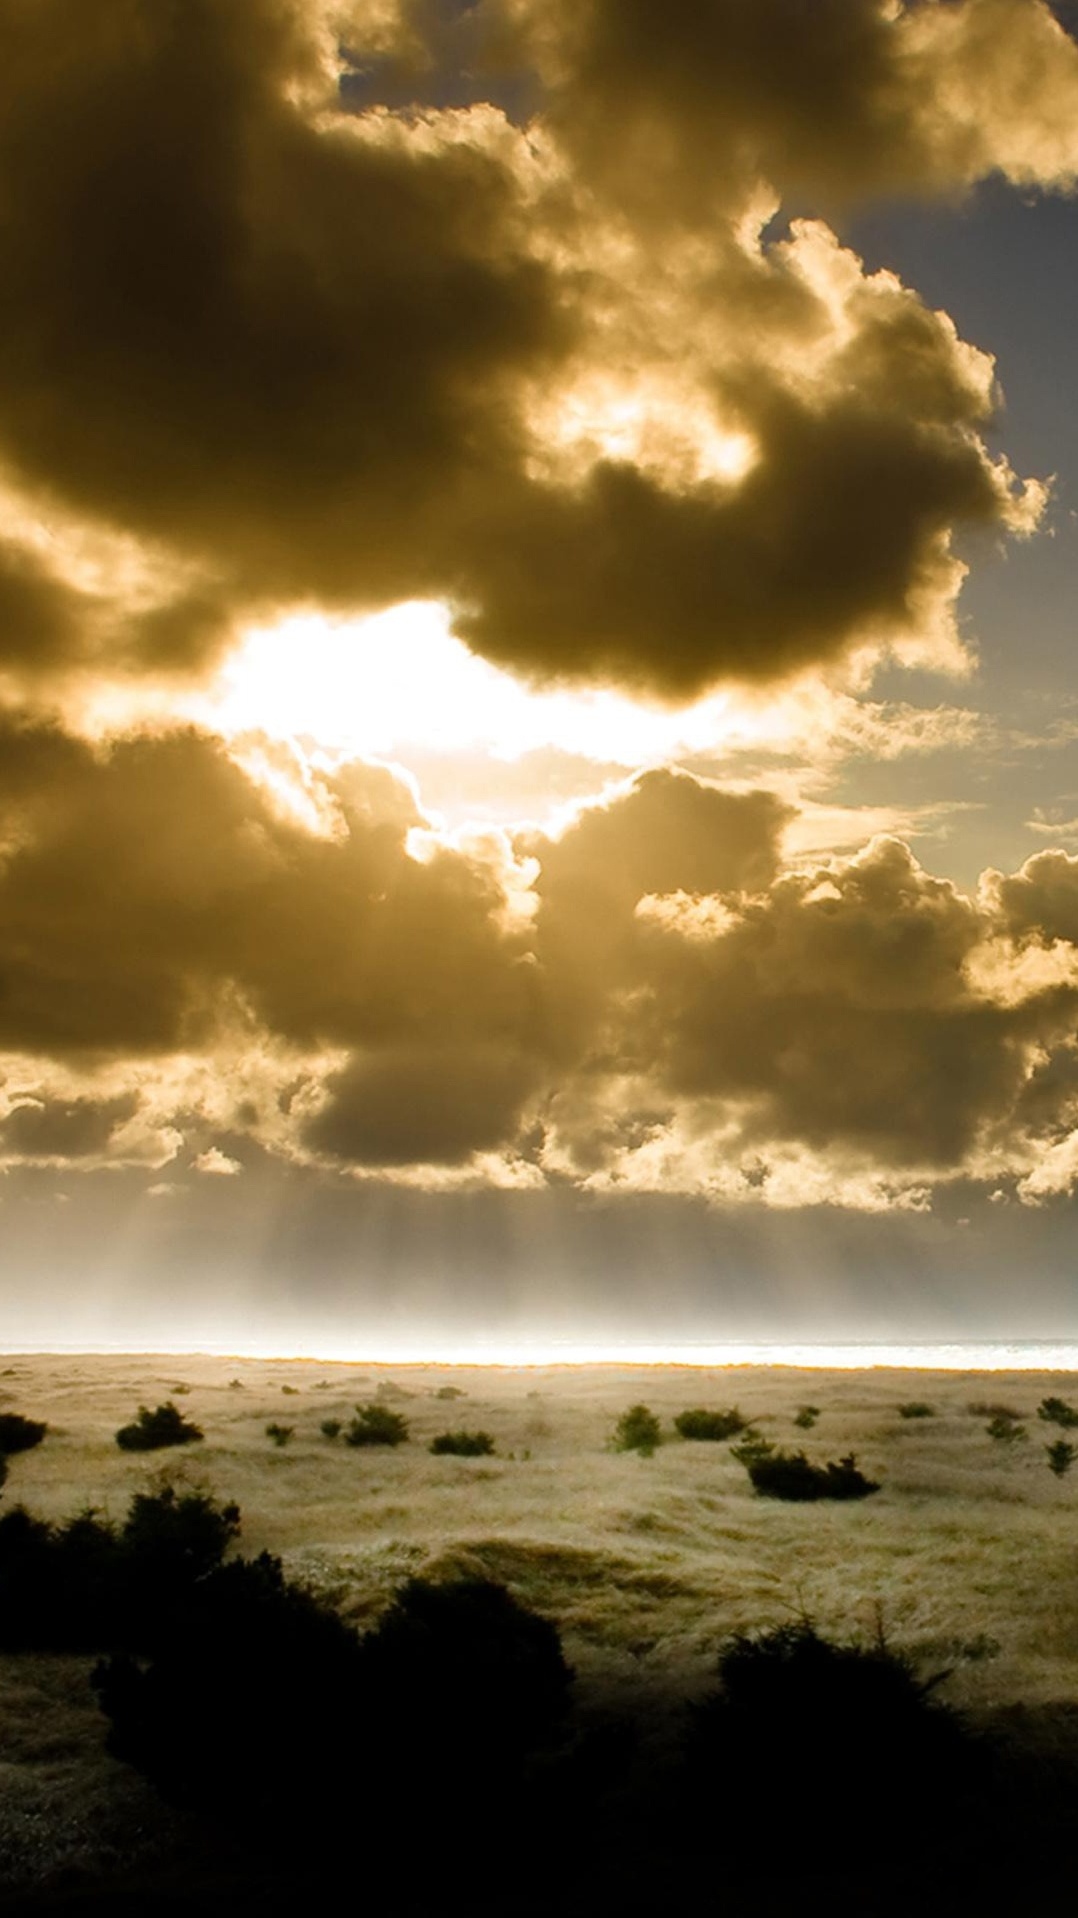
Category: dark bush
[1053,1411]
[753,1446]
[637,1430]
[916,1409]
[700,1424]
[789,1475]
[252,1708]
[991,1409]
[151,1431]
[263,1708]
[330,1428]
[467,1672]
[463,1444]
[1061,1457]
[280,1434]
[18,1434]
[806,1416]
[85,1585]
[1004,1428]
[450,1392]
[376,1425]
[883,1755]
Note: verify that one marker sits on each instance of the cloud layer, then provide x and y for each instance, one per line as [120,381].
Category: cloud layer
[306,319]
[653,999]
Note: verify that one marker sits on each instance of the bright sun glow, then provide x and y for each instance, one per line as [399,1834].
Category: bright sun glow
[400,679]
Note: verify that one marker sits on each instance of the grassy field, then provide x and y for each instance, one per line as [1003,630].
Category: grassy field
[968,1554]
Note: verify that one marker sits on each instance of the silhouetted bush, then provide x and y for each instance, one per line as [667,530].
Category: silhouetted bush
[252,1707]
[280,1434]
[806,1417]
[330,1428]
[1055,1412]
[18,1434]
[85,1585]
[916,1409]
[463,1444]
[1061,1457]
[883,1754]
[263,1708]
[376,1425]
[467,1673]
[637,1430]
[700,1424]
[789,1475]
[151,1431]
[1004,1427]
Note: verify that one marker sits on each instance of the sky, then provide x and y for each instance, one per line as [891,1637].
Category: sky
[539,760]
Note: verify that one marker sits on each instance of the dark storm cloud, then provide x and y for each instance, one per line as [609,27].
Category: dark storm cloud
[423,1105]
[344,357]
[229,323]
[675,1008]
[142,884]
[841,1008]
[38,1129]
[676,106]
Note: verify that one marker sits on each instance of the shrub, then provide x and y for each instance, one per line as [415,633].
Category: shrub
[463,1444]
[153,1430]
[280,1434]
[85,1585]
[789,1475]
[916,1409]
[250,1706]
[1061,1457]
[1004,1427]
[264,1708]
[18,1434]
[991,1409]
[637,1430]
[884,1754]
[1057,1412]
[699,1424]
[470,1671]
[330,1428]
[753,1446]
[450,1392]
[807,1416]
[376,1425]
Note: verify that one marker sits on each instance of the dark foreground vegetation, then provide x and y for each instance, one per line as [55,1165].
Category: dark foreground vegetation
[808,1775]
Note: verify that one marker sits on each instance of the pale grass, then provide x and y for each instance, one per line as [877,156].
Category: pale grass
[646,1564]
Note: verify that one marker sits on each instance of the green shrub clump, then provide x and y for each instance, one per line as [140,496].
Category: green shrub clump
[1004,1426]
[1053,1411]
[18,1434]
[916,1409]
[280,1434]
[330,1428]
[637,1430]
[807,1416]
[153,1430]
[699,1424]
[1061,1457]
[376,1425]
[463,1444]
[789,1475]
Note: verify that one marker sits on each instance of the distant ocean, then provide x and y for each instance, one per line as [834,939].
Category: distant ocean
[513,1353]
